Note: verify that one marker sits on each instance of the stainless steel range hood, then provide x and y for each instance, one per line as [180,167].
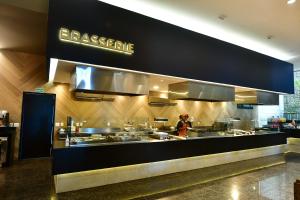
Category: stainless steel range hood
[156,98]
[200,92]
[82,96]
[256,98]
[95,80]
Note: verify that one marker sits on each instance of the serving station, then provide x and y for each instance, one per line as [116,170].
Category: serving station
[142,147]
[127,73]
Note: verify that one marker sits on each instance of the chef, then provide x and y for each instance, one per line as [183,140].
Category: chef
[183,125]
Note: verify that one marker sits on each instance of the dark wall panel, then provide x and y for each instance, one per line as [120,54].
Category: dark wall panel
[71,159]
[162,48]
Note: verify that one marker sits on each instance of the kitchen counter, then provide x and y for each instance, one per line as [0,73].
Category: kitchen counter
[117,138]
[90,157]
[78,140]
[293,132]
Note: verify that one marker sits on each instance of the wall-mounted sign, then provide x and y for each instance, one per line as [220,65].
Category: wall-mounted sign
[40,90]
[95,41]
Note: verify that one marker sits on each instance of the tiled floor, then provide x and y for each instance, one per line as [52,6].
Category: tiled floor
[32,180]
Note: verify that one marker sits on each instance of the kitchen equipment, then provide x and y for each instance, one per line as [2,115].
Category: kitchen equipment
[160,119]
[239,132]
[196,91]
[83,96]
[4,118]
[160,122]
[159,135]
[91,80]
[256,98]
[69,125]
[85,132]
[156,98]
[220,126]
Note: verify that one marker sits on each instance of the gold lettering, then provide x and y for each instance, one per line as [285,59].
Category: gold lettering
[94,39]
[85,38]
[119,45]
[64,34]
[110,43]
[130,48]
[102,41]
[75,36]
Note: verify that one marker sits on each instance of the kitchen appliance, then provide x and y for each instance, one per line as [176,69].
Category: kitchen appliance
[256,98]
[37,125]
[159,135]
[220,126]
[4,118]
[69,126]
[83,96]
[156,98]
[160,119]
[189,90]
[91,80]
[159,123]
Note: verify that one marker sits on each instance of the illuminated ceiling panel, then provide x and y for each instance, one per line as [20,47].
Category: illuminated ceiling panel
[179,15]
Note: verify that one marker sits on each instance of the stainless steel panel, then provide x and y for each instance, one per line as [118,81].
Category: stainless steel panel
[247,97]
[257,98]
[156,98]
[98,80]
[200,91]
[82,96]
[99,130]
[267,98]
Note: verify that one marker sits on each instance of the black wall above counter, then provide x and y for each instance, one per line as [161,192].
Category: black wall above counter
[161,48]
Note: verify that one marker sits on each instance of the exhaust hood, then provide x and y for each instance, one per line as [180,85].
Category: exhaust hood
[95,80]
[256,98]
[200,92]
[156,98]
[82,96]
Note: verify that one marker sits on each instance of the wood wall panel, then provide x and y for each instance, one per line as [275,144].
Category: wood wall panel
[19,72]
[125,109]
[24,72]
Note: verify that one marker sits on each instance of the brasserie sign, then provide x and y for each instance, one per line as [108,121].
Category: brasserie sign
[96,41]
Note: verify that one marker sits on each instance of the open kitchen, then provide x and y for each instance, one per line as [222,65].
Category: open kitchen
[130,97]
[158,105]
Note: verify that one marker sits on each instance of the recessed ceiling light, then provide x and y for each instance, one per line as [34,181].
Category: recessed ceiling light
[155,87]
[291,1]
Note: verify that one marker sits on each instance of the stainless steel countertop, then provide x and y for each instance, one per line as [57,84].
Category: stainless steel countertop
[146,139]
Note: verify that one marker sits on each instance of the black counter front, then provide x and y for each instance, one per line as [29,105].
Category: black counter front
[82,158]
[292,132]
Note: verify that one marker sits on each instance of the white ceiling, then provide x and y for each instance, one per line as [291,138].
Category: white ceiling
[247,23]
